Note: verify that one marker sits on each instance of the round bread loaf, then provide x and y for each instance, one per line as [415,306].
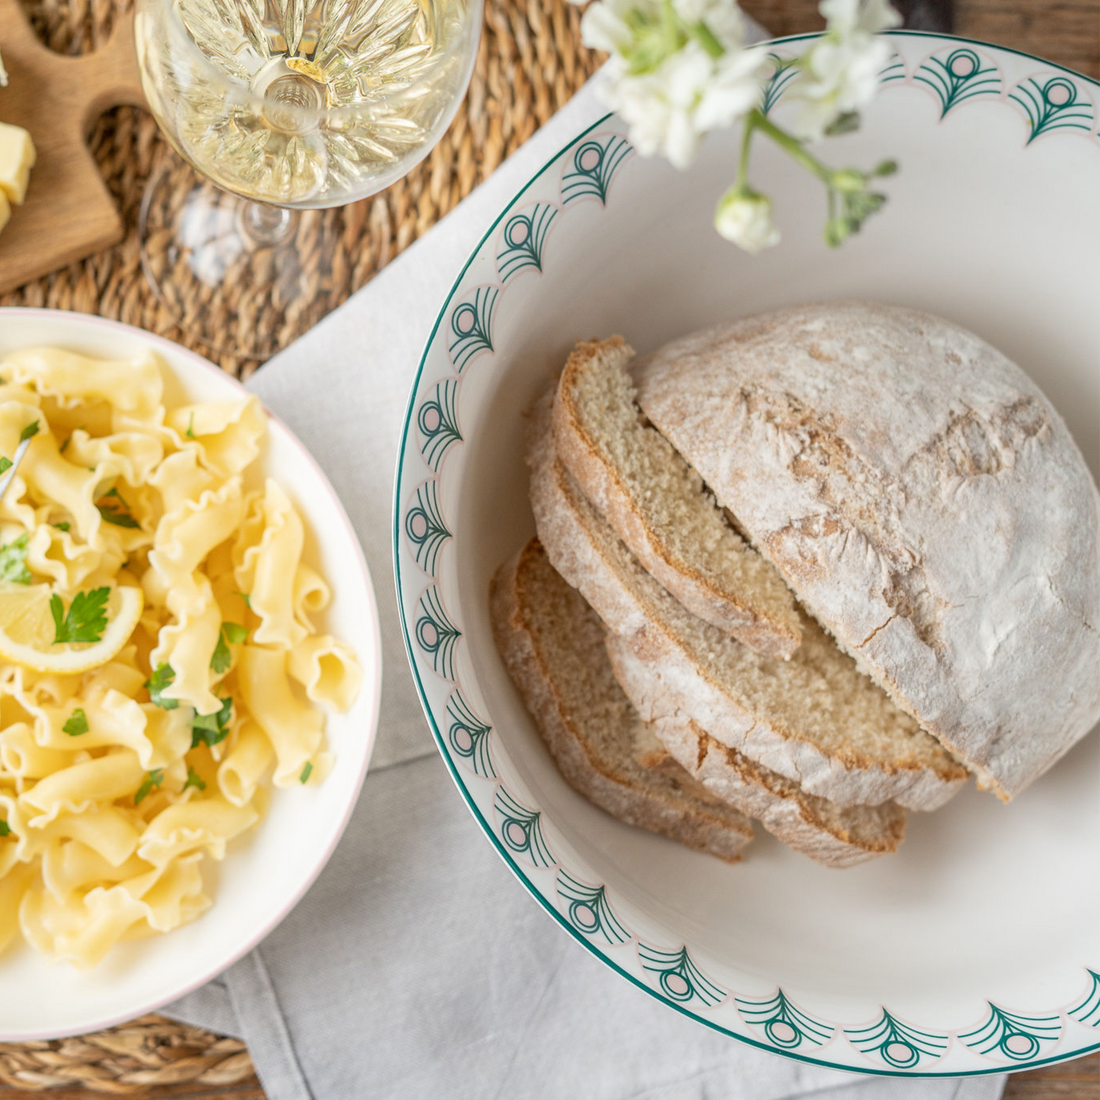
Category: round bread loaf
[924,501]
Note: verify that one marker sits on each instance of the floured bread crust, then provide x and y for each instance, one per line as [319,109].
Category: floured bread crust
[924,501]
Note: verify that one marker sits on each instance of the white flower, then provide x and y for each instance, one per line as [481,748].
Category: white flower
[604,26]
[734,88]
[847,17]
[840,73]
[745,218]
[721,17]
[688,94]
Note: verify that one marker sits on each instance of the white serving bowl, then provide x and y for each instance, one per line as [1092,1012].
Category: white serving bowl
[267,871]
[969,951]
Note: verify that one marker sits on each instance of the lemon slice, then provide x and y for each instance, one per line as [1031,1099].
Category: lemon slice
[27,630]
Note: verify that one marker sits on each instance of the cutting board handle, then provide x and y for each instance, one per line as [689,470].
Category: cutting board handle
[112,72]
[69,213]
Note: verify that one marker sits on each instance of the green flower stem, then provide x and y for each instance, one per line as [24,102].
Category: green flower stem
[850,201]
[705,37]
[673,26]
[791,146]
[741,182]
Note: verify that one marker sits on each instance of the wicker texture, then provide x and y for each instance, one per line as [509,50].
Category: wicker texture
[529,64]
[127,1060]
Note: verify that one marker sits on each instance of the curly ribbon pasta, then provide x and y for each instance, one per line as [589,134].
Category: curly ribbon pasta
[117,783]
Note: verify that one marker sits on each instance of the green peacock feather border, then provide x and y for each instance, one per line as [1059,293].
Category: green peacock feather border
[1012,1035]
[783,1022]
[521,830]
[592,167]
[899,1045]
[468,736]
[589,910]
[961,75]
[679,978]
[524,239]
[437,423]
[425,528]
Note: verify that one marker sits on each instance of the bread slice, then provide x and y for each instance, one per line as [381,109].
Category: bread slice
[552,644]
[659,507]
[837,836]
[814,719]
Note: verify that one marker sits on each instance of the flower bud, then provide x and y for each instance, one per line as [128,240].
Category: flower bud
[745,217]
[837,231]
[848,180]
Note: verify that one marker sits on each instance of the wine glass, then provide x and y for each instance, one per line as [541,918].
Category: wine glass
[284,106]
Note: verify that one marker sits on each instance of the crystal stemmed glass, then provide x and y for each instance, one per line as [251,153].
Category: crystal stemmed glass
[283,106]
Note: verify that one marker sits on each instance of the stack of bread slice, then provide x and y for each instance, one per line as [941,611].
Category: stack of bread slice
[674,677]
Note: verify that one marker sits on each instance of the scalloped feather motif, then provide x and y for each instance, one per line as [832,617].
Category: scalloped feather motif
[960,75]
[589,910]
[521,830]
[468,736]
[1012,1036]
[679,977]
[784,1023]
[897,1044]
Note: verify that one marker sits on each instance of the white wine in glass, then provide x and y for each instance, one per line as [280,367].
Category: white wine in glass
[290,105]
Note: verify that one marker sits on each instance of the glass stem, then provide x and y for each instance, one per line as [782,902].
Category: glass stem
[266,225]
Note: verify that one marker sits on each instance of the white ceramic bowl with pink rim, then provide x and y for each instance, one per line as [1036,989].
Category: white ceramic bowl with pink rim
[974,949]
[268,870]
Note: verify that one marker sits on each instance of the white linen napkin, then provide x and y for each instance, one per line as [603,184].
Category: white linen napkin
[417,966]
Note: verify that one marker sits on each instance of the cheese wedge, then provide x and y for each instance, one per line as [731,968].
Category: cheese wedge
[17,158]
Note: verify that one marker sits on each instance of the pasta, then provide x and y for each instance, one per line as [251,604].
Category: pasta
[159,662]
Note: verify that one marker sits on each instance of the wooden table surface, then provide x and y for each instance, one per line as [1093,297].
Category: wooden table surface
[1065,31]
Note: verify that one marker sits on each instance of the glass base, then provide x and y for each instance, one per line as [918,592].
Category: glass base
[242,278]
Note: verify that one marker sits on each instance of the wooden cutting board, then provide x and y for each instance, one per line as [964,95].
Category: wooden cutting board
[69,213]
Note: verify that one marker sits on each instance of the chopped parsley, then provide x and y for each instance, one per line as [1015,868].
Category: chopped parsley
[5,829]
[116,513]
[221,658]
[190,433]
[64,525]
[77,723]
[13,561]
[5,464]
[86,618]
[307,771]
[162,677]
[210,729]
[152,779]
[29,432]
[230,634]
[247,599]
[65,446]
[194,780]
